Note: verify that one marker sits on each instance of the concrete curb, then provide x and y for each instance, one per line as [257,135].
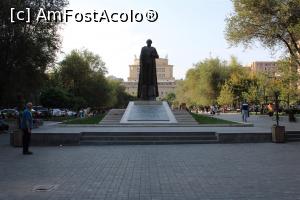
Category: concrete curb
[159,125]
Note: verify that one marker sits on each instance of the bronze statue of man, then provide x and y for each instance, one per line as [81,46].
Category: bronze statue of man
[147,87]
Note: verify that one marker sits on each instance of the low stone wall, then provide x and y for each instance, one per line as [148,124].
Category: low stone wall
[74,139]
[55,139]
[244,137]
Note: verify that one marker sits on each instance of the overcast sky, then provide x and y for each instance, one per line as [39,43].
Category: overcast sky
[187,31]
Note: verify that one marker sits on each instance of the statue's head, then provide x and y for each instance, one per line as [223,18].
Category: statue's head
[149,42]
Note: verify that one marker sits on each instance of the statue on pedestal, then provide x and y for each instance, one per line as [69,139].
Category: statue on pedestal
[147,86]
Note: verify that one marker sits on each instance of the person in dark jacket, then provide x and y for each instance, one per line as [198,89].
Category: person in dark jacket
[245,111]
[26,126]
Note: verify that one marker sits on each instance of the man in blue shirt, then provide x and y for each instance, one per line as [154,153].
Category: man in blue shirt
[26,126]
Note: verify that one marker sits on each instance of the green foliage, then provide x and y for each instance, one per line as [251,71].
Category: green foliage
[226,96]
[26,49]
[81,77]
[288,77]
[252,95]
[203,82]
[55,97]
[181,93]
[119,98]
[95,62]
[276,24]
[88,120]
[241,83]
[170,98]
[272,22]
[229,83]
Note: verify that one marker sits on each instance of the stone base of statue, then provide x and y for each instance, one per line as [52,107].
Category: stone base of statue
[148,112]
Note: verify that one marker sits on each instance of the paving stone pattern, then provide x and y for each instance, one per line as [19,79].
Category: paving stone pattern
[169,172]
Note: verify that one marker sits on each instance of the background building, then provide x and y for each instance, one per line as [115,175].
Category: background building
[165,80]
[267,67]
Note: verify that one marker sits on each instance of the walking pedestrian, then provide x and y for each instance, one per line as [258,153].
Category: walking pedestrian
[245,111]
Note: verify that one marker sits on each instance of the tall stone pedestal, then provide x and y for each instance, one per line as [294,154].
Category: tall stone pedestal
[148,112]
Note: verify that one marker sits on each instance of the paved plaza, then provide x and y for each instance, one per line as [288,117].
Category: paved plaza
[262,121]
[205,171]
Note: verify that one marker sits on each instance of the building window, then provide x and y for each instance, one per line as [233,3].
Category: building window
[161,75]
[160,69]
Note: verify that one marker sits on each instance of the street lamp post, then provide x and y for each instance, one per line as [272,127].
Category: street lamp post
[277,93]
[278,132]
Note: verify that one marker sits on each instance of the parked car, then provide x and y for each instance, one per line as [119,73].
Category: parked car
[70,113]
[63,112]
[3,125]
[41,112]
[9,113]
[56,112]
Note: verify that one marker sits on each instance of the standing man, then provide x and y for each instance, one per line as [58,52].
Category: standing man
[147,86]
[245,111]
[26,126]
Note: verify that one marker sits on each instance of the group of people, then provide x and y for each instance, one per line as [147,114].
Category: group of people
[214,110]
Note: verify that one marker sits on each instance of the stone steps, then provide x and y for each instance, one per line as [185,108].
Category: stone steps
[145,142]
[293,136]
[146,137]
[114,116]
[94,138]
[148,133]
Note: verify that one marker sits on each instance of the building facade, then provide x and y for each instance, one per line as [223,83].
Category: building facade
[267,67]
[165,80]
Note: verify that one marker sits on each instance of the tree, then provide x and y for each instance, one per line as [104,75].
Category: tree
[74,71]
[241,85]
[272,22]
[95,62]
[181,92]
[54,97]
[170,98]
[203,83]
[119,98]
[252,94]
[82,74]
[26,49]
[288,79]
[226,96]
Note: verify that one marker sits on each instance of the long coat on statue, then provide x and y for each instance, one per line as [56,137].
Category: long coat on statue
[147,86]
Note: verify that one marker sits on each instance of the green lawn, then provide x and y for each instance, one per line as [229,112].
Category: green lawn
[59,119]
[87,120]
[204,119]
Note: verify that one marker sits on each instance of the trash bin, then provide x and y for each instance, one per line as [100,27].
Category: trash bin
[278,134]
